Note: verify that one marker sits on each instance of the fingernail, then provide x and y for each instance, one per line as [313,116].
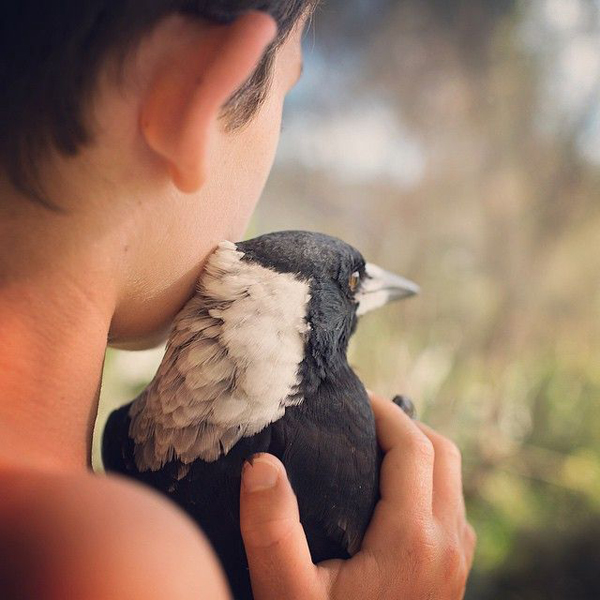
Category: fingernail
[260,474]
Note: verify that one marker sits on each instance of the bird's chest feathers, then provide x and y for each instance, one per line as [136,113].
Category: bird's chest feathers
[231,365]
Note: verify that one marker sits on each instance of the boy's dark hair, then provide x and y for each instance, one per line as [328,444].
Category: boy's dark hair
[51,52]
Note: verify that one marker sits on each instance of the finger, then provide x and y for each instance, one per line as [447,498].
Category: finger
[276,547]
[407,467]
[406,477]
[448,499]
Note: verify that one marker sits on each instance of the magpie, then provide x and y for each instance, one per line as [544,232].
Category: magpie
[256,362]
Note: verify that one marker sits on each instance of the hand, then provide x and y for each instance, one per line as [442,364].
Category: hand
[418,544]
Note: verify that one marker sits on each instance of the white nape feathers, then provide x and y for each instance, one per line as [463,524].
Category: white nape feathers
[231,366]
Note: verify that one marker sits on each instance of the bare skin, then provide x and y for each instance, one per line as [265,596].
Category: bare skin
[144,205]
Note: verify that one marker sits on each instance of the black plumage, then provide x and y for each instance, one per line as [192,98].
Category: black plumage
[327,441]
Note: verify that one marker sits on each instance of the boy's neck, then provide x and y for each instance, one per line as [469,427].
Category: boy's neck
[52,343]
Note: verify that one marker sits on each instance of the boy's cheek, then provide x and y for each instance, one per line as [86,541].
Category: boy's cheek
[238,175]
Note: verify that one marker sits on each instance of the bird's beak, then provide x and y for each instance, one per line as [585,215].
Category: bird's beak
[380,287]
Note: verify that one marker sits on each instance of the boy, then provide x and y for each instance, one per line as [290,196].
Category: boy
[133,138]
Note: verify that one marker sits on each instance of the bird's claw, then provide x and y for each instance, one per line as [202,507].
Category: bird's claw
[406,404]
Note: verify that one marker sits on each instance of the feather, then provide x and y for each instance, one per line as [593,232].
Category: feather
[231,365]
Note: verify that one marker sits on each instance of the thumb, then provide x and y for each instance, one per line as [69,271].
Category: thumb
[276,546]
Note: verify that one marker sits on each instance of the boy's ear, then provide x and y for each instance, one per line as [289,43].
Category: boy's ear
[185,98]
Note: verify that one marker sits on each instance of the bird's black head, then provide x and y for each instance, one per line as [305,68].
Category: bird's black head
[342,285]
[336,267]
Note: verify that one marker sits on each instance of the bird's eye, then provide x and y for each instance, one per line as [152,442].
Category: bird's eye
[354,281]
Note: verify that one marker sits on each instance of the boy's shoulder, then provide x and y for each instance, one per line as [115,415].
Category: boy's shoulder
[85,536]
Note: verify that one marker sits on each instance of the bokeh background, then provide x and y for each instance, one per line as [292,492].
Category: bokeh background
[458,143]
